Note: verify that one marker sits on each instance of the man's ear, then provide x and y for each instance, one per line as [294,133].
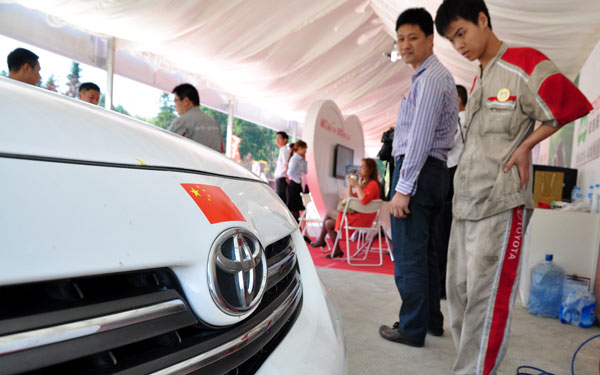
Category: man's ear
[482,20]
[79,95]
[186,102]
[430,39]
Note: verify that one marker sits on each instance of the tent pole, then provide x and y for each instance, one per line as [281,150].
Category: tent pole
[110,72]
[230,114]
[294,130]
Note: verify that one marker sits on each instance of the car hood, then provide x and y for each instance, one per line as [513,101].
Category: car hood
[75,130]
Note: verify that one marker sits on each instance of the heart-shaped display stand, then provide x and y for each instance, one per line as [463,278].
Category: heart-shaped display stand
[324,128]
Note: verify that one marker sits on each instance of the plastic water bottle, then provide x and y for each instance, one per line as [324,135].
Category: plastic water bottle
[569,314]
[574,193]
[596,199]
[588,311]
[569,310]
[589,196]
[546,289]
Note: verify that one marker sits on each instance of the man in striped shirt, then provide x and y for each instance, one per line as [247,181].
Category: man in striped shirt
[424,134]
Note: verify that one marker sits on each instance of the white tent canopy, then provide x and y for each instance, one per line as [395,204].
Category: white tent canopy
[277,57]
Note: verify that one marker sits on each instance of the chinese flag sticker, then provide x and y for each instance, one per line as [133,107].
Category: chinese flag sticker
[214,203]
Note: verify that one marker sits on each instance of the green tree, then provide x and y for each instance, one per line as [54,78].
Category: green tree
[166,113]
[256,139]
[119,108]
[3,73]
[220,118]
[51,84]
[73,78]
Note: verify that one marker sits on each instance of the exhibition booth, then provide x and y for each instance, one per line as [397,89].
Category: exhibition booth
[319,71]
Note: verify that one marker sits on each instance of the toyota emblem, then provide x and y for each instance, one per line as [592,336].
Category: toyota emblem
[237,271]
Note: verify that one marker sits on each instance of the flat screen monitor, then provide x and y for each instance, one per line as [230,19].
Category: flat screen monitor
[343,157]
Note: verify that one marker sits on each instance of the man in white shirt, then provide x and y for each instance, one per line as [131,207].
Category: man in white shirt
[281,182]
[442,234]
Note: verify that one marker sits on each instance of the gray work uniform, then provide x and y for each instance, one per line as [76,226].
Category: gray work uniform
[517,87]
[198,126]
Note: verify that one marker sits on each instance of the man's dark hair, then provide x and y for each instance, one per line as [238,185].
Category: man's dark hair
[416,16]
[462,93]
[187,91]
[86,86]
[451,10]
[283,135]
[19,57]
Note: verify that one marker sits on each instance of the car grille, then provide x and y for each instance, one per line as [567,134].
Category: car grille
[140,322]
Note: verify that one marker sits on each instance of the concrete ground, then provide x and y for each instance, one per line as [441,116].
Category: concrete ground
[368,300]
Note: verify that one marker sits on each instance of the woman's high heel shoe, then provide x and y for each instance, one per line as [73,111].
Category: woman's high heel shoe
[339,254]
[315,244]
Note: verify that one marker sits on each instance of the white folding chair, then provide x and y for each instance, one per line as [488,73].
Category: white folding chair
[363,242]
[310,215]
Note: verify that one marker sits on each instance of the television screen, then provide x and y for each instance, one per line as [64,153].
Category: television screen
[343,157]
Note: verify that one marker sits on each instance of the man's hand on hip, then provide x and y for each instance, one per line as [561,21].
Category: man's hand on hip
[520,158]
[400,205]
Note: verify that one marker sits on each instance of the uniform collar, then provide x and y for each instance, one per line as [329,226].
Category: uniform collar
[501,50]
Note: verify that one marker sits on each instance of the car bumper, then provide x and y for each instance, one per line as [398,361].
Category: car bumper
[315,344]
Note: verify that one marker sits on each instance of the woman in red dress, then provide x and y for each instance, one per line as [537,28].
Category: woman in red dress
[366,189]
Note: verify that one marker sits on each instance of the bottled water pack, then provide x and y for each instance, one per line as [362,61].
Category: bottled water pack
[579,309]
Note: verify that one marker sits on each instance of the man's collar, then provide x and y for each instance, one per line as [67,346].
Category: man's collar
[501,50]
[424,65]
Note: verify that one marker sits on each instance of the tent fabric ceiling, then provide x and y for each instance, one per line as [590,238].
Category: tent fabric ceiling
[284,55]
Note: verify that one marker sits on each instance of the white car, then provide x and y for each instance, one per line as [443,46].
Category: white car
[127,249]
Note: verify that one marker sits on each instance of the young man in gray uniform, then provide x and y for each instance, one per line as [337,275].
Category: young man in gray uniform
[192,123]
[492,191]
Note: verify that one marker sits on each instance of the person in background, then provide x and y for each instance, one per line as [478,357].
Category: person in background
[514,88]
[424,133]
[281,180]
[442,230]
[23,65]
[297,167]
[89,92]
[192,123]
[366,188]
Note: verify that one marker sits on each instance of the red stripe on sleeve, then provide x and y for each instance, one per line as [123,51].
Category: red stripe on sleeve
[525,58]
[564,99]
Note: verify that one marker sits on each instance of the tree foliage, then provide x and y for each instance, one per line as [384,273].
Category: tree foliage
[51,84]
[119,108]
[166,113]
[256,140]
[73,77]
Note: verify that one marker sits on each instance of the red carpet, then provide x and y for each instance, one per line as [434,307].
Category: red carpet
[386,268]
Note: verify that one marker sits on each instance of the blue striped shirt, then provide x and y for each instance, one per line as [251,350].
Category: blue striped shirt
[426,122]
